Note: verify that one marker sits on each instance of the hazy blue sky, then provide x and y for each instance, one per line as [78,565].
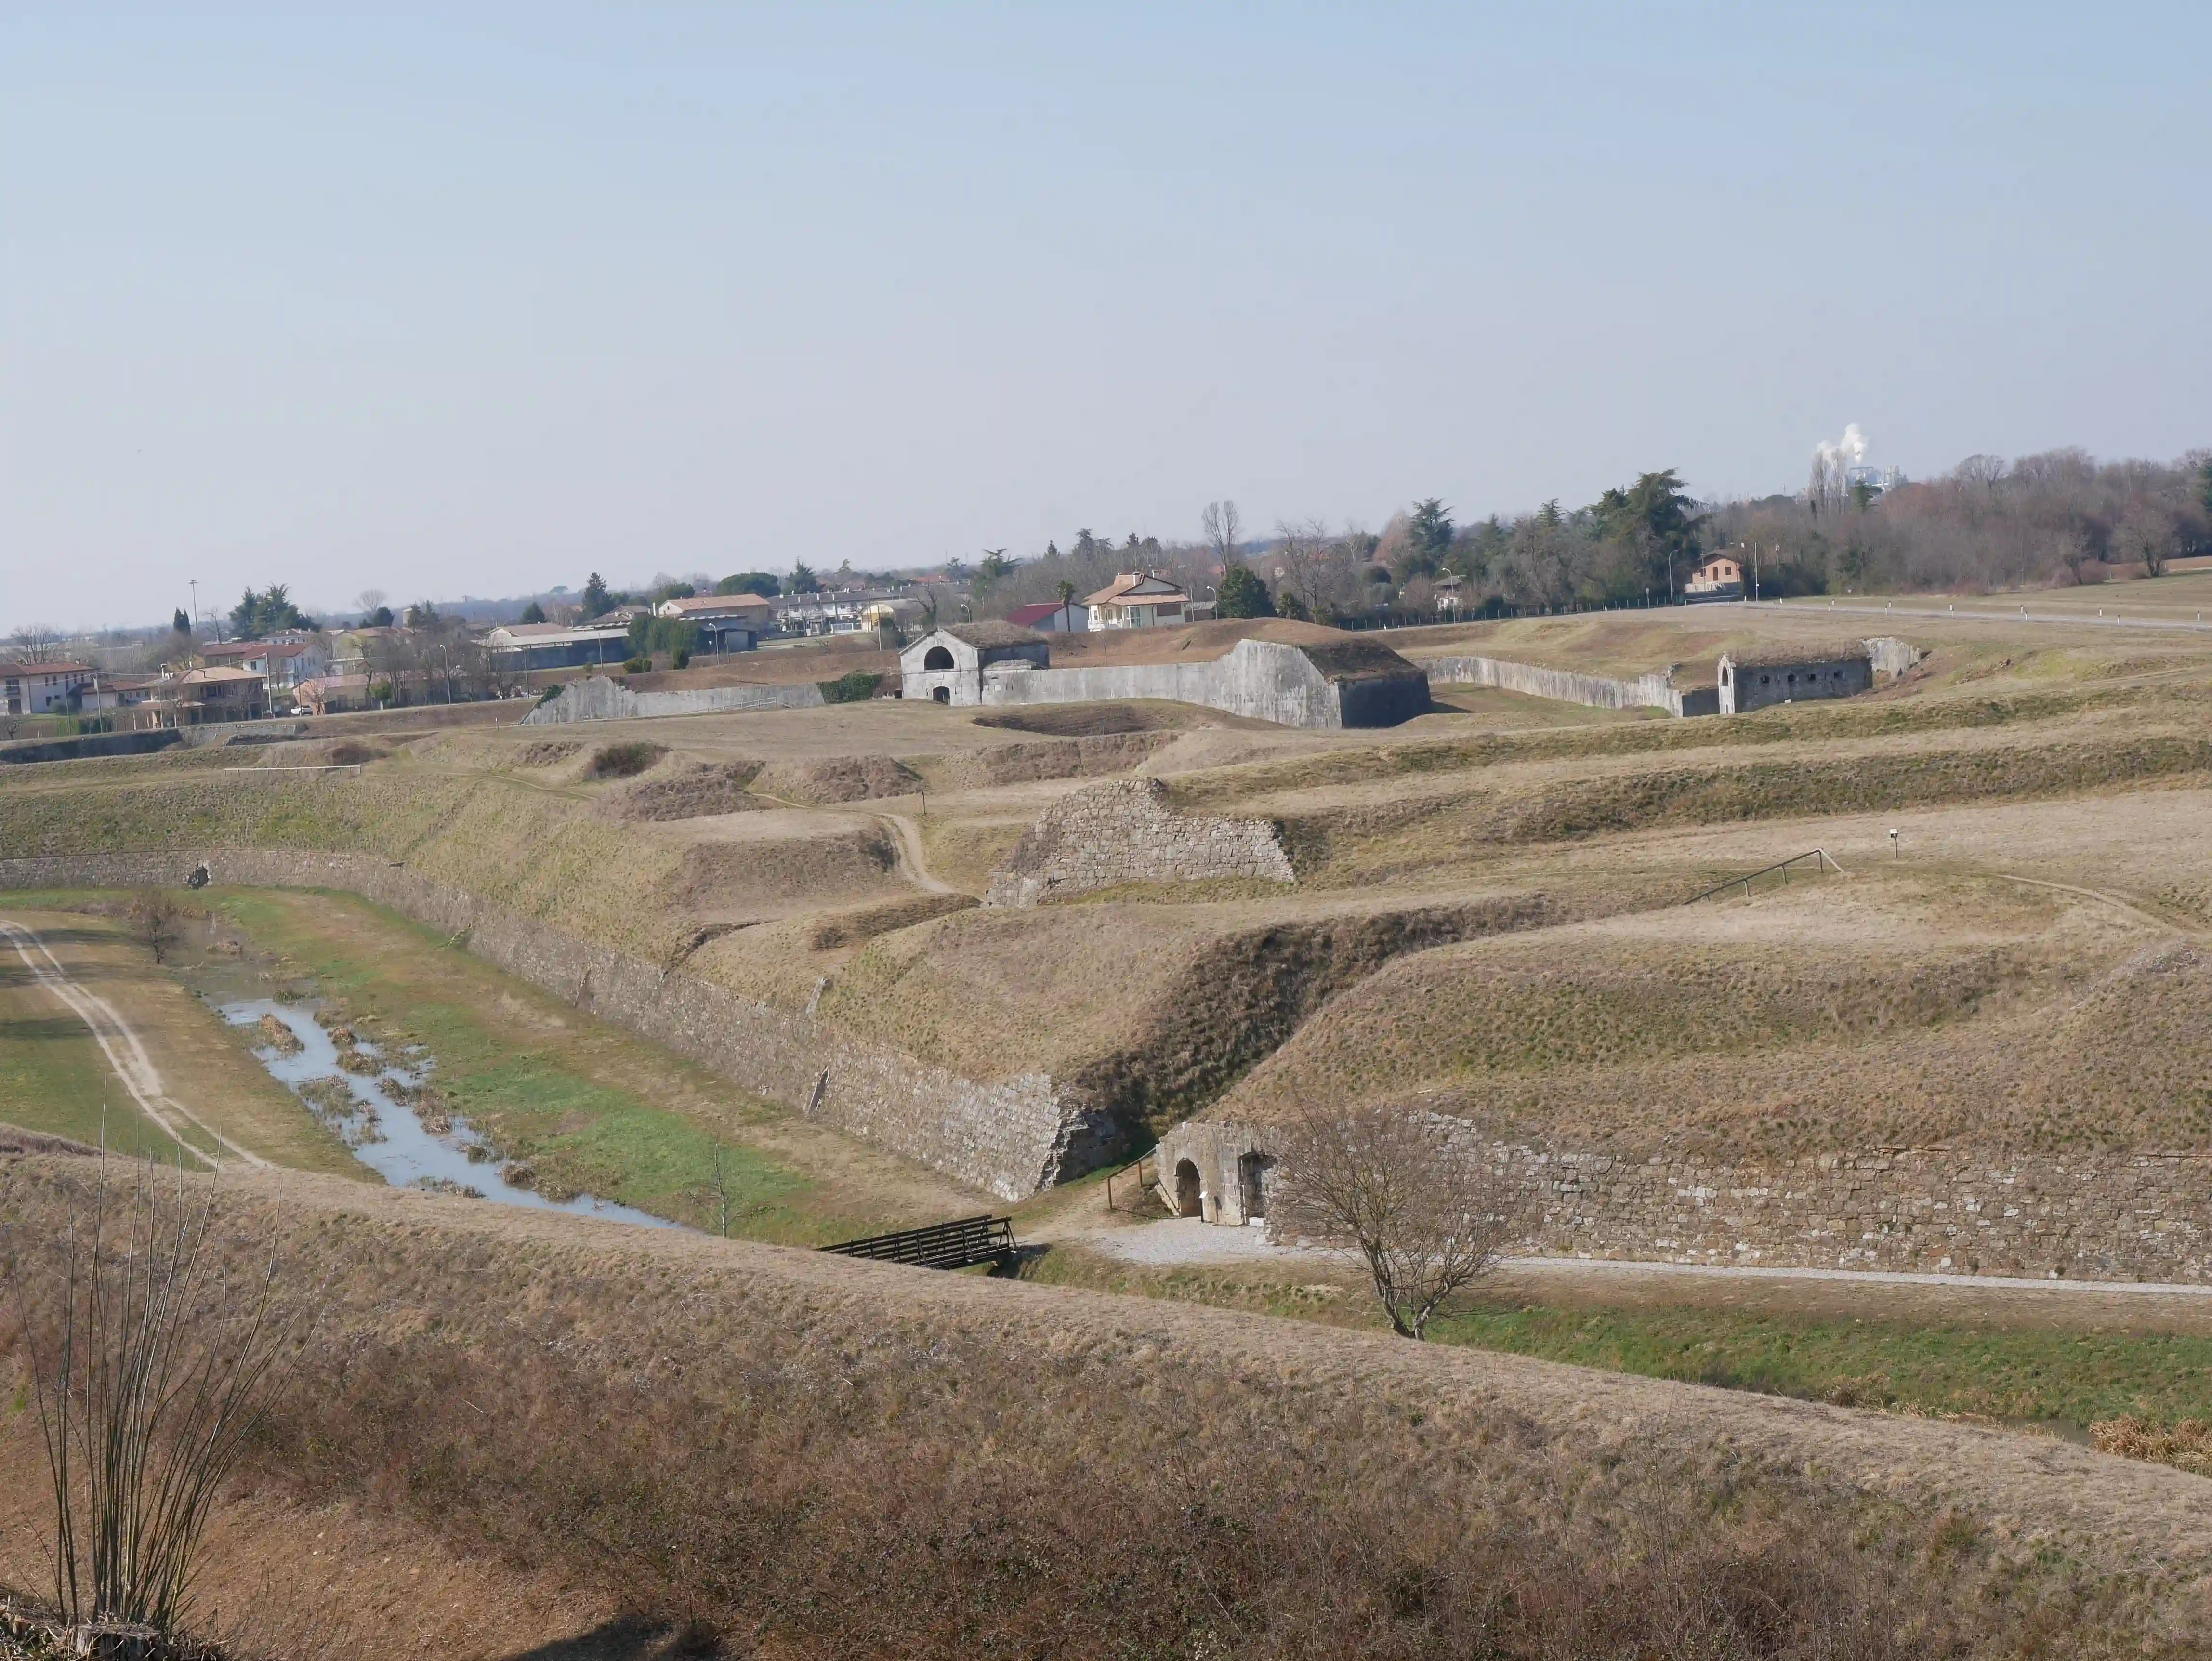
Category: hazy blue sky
[478,299]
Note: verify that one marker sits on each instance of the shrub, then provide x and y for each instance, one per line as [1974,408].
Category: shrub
[624,761]
[856,688]
[680,658]
[636,666]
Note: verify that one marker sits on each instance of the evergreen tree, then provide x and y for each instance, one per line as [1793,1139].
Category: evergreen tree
[1244,595]
[597,601]
[180,623]
[533,612]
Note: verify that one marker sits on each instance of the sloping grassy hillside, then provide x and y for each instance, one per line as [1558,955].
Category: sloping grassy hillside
[808,1456]
[1876,1009]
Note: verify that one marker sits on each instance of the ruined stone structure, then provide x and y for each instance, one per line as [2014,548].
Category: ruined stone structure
[1011,1137]
[1326,685]
[1124,831]
[2144,1216]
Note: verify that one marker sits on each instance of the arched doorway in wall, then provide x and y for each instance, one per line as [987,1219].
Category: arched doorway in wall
[937,657]
[1190,1197]
[942,694]
[1252,1171]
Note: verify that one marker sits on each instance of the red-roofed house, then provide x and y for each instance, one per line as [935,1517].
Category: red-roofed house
[1050,616]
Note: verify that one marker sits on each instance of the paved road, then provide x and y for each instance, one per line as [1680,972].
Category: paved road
[120,1044]
[2019,615]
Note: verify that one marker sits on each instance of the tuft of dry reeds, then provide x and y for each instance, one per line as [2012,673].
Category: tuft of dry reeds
[148,1387]
[2187,1444]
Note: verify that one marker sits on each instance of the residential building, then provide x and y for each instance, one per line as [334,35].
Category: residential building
[41,689]
[1720,577]
[1141,599]
[329,695]
[212,694]
[284,663]
[726,623]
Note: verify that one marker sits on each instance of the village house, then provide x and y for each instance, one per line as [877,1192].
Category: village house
[282,663]
[1140,599]
[198,696]
[1720,577]
[726,623]
[331,695]
[42,688]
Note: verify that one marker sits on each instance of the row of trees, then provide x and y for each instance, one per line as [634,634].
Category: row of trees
[2059,517]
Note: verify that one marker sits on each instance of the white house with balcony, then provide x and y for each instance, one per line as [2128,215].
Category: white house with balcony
[1140,599]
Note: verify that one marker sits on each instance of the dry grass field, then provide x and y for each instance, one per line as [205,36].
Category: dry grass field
[515,1428]
[1489,916]
[773,853]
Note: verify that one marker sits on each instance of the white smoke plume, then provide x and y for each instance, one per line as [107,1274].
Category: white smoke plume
[1849,451]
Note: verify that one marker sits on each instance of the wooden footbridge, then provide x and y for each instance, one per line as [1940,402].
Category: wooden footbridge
[960,1245]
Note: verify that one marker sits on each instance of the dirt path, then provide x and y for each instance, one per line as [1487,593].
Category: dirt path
[1185,1241]
[120,1043]
[906,836]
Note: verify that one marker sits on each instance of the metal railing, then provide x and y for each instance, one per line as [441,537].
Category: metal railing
[1822,864]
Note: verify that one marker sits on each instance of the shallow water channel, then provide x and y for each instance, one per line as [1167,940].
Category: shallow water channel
[374,1113]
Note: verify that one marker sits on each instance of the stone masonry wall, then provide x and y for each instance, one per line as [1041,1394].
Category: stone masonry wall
[1011,1137]
[598,698]
[2143,1216]
[1124,831]
[1566,687]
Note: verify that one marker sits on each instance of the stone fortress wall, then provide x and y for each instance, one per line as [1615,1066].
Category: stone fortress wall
[2143,1216]
[1123,831]
[1011,1138]
[1657,691]
[598,698]
[1261,680]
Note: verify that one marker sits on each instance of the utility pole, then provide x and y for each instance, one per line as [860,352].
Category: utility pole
[195,581]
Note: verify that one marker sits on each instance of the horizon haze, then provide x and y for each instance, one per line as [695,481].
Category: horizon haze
[441,304]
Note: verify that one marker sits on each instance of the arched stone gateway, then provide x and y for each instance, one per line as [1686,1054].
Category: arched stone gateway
[1190,1198]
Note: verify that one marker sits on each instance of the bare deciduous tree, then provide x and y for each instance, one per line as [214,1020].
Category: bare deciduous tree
[155,920]
[1428,1218]
[1224,531]
[150,1377]
[2146,533]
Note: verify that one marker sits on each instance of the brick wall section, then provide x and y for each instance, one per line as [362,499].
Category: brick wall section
[1011,1138]
[2143,1216]
[1124,831]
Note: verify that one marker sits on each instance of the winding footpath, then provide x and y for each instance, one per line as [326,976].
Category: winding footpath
[120,1044]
